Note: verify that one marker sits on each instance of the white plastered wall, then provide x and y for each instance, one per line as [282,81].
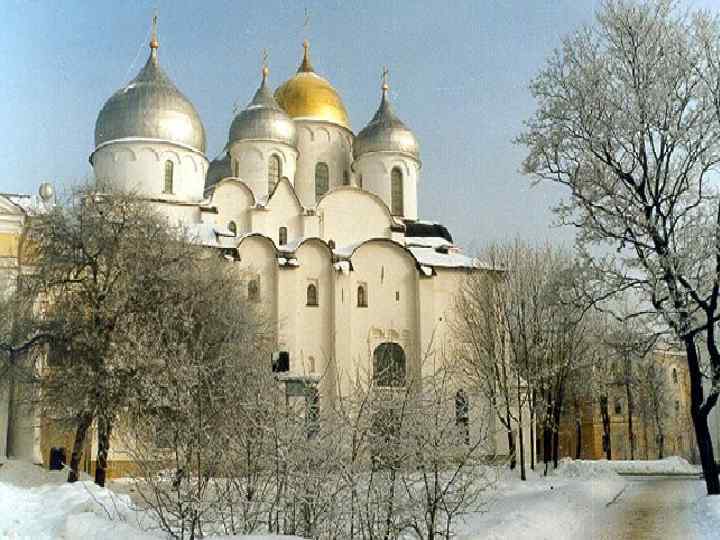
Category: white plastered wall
[233,200]
[375,169]
[250,162]
[321,142]
[349,216]
[139,166]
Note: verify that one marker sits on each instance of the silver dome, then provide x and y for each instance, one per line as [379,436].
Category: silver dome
[217,170]
[150,107]
[386,133]
[263,119]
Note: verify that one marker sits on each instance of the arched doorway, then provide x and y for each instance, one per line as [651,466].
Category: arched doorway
[389,365]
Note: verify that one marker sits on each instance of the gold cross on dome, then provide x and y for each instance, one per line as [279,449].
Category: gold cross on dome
[385,74]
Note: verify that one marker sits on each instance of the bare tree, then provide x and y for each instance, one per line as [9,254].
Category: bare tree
[627,120]
[101,262]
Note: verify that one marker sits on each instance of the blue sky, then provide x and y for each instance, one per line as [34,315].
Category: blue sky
[459,77]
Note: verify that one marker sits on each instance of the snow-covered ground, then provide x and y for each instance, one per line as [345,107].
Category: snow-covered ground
[582,499]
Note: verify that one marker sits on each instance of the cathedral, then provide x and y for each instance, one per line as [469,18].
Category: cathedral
[321,221]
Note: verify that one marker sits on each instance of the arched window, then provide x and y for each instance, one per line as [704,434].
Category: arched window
[237,168]
[396,192]
[274,172]
[322,180]
[311,360]
[282,236]
[346,178]
[674,376]
[389,365]
[331,244]
[462,414]
[312,295]
[232,227]
[362,296]
[254,290]
[168,180]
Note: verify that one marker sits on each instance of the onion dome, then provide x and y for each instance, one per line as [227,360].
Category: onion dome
[263,119]
[307,95]
[386,132]
[150,107]
[218,169]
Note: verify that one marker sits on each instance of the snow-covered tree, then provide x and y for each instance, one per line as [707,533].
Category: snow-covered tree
[627,120]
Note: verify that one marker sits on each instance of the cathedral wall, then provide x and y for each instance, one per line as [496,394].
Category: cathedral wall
[350,216]
[321,142]
[314,324]
[233,201]
[283,210]
[258,261]
[250,161]
[139,166]
[375,169]
[389,274]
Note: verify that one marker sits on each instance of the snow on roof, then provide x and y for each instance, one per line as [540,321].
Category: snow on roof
[426,241]
[30,204]
[428,256]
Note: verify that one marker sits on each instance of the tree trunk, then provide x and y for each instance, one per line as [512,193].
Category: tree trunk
[511,449]
[605,414]
[700,415]
[547,436]
[104,431]
[84,421]
[578,429]
[557,412]
[631,407]
[532,430]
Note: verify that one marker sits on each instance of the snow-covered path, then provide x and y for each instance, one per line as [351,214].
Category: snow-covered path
[654,508]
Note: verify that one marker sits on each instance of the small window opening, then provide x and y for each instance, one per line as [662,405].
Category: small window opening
[282,236]
[362,296]
[618,407]
[274,172]
[312,295]
[674,376]
[254,290]
[397,296]
[331,244]
[168,181]
[232,227]
[322,180]
[462,415]
[346,178]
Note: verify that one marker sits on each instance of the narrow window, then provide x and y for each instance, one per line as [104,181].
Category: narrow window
[346,178]
[237,169]
[396,192]
[618,407]
[677,406]
[232,227]
[362,296]
[462,415]
[322,180]
[331,244]
[254,290]
[360,181]
[168,182]
[397,296]
[312,295]
[674,376]
[311,360]
[282,236]
[274,172]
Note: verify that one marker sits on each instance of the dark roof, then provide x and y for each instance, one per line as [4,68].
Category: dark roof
[427,230]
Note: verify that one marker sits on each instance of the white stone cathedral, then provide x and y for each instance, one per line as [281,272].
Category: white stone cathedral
[322,222]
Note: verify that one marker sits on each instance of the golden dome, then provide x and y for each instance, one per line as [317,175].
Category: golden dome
[308,95]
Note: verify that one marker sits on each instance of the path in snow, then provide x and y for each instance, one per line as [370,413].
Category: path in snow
[656,508]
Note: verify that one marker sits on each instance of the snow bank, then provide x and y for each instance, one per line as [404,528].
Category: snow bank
[585,469]
[39,504]
[595,469]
